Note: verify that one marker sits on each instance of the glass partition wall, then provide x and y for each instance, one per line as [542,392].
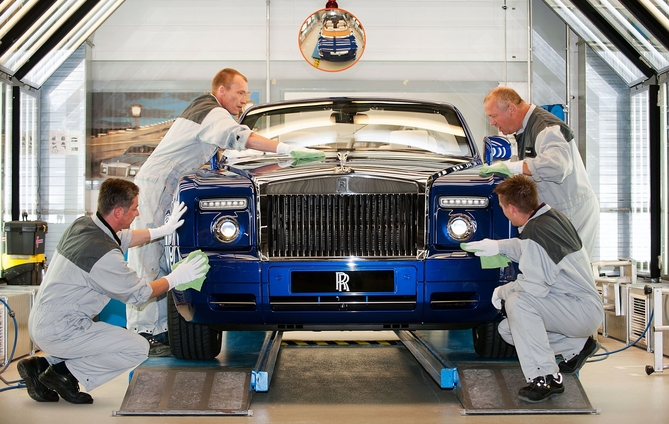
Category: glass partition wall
[28,152]
[29,157]
[640,180]
[664,166]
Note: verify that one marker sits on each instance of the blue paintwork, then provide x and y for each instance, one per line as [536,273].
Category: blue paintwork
[496,148]
[332,48]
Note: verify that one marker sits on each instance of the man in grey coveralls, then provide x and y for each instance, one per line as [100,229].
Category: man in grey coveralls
[204,127]
[547,152]
[553,307]
[86,271]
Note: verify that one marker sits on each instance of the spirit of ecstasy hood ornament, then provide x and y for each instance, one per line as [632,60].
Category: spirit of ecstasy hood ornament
[342,168]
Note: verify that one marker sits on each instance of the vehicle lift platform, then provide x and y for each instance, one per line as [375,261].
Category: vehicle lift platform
[202,388]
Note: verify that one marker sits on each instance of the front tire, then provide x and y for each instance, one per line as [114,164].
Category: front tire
[489,344]
[190,341]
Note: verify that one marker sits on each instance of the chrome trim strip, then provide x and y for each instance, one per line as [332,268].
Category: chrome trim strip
[407,302]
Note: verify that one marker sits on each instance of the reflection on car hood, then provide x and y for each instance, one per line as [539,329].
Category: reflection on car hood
[401,166]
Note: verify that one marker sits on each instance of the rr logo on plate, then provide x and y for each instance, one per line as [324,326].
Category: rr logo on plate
[342,281]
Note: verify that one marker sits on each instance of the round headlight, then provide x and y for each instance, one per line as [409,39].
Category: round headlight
[226,230]
[461,227]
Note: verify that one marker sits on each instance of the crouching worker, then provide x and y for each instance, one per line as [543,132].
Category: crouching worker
[87,270]
[553,307]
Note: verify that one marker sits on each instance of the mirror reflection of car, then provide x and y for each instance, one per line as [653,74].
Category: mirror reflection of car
[127,164]
[336,41]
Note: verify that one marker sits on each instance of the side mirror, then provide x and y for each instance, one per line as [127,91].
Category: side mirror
[496,147]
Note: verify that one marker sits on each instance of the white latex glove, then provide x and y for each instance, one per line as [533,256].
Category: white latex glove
[284,148]
[515,167]
[496,300]
[172,223]
[187,271]
[485,247]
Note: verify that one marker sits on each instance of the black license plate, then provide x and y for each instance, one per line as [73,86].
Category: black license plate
[342,281]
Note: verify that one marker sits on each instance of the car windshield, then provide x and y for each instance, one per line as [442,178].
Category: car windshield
[363,126]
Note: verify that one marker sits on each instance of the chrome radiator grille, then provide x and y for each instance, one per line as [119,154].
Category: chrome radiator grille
[335,225]
[117,171]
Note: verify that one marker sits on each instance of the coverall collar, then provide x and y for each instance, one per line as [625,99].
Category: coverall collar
[98,219]
[526,118]
[542,209]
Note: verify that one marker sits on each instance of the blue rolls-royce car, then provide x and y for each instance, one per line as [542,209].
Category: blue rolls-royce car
[336,41]
[367,238]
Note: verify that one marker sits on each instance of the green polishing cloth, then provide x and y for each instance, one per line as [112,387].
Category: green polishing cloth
[489,262]
[300,156]
[195,284]
[497,168]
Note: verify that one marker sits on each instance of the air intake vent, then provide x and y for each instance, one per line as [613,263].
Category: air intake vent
[233,302]
[464,300]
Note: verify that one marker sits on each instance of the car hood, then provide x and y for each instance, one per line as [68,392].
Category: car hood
[415,167]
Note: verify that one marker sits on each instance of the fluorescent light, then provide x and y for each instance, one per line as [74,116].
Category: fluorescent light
[71,42]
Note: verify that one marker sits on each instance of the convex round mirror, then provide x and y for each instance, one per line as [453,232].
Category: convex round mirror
[331,40]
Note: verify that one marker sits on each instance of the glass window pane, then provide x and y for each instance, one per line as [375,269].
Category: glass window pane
[640,180]
[7,152]
[664,150]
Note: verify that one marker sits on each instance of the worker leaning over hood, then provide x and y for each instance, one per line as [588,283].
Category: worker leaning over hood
[206,125]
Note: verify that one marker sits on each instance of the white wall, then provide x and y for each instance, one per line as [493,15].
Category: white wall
[187,40]
[448,50]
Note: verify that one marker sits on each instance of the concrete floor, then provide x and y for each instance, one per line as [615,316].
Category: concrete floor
[366,384]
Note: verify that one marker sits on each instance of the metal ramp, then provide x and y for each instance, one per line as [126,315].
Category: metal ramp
[200,390]
[490,389]
[483,388]
[187,391]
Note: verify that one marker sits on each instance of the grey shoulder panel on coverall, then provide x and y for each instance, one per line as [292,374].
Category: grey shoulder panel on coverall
[199,108]
[85,255]
[554,232]
[539,120]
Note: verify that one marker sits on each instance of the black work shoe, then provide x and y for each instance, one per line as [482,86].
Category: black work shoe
[158,347]
[66,385]
[29,370]
[541,388]
[573,365]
